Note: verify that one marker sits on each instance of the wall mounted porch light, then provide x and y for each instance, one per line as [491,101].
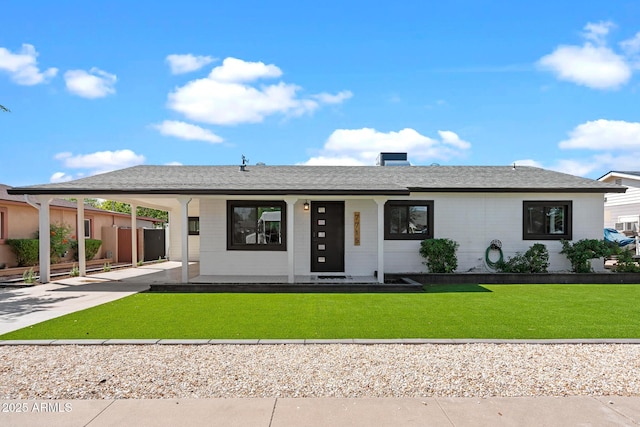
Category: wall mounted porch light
[306,205]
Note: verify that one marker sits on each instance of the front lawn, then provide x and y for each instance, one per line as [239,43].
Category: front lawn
[446,311]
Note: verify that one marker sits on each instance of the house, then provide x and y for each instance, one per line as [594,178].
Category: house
[19,220]
[290,222]
[622,210]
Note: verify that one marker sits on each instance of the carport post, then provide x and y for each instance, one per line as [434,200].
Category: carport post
[184,234]
[134,235]
[380,202]
[291,204]
[82,260]
[44,236]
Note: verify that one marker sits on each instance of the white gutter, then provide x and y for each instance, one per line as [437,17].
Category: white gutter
[29,202]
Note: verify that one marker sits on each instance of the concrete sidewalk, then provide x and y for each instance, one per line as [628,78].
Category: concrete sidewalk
[22,307]
[291,412]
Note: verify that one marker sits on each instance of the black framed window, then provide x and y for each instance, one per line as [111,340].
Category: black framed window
[194,226]
[87,228]
[256,225]
[408,220]
[547,220]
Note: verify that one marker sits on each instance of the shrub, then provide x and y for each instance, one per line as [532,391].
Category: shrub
[75,271]
[28,276]
[439,255]
[91,247]
[534,260]
[626,263]
[60,241]
[27,251]
[582,251]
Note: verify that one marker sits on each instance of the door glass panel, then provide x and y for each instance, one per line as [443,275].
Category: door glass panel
[321,234]
[321,259]
[321,209]
[321,222]
[321,247]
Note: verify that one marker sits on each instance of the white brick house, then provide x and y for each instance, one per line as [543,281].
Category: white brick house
[295,221]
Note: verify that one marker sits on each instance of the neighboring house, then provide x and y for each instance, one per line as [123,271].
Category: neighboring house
[622,210]
[19,220]
[296,221]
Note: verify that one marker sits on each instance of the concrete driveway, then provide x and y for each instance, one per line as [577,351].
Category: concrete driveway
[22,307]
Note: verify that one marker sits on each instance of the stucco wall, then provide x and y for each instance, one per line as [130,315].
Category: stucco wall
[23,223]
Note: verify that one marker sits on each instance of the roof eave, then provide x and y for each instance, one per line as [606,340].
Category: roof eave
[217,192]
[515,190]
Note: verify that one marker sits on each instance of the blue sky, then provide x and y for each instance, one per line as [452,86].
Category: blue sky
[97,86]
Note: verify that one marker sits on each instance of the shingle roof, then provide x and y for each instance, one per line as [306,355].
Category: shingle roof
[316,180]
[19,198]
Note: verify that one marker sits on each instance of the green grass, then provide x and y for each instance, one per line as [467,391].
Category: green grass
[453,311]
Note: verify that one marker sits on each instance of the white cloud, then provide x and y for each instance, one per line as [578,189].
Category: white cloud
[362,146]
[527,162]
[597,32]
[604,135]
[334,161]
[327,98]
[60,177]
[593,64]
[93,84]
[225,97]
[22,66]
[597,67]
[173,164]
[181,64]
[631,46]
[101,161]
[187,131]
[236,71]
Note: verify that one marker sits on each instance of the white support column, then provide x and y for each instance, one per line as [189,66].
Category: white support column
[291,202]
[184,234]
[82,260]
[44,233]
[380,202]
[134,236]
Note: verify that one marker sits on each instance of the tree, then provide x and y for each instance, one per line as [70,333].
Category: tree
[90,201]
[121,207]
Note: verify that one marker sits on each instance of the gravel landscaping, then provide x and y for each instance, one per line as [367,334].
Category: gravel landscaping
[327,370]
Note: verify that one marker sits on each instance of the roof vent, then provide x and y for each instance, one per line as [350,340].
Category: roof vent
[392,159]
[243,166]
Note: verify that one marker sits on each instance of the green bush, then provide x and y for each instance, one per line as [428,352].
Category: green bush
[91,247]
[626,263]
[534,260]
[27,251]
[582,251]
[59,237]
[439,255]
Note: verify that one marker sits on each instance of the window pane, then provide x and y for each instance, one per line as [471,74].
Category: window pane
[87,228]
[244,225]
[418,223]
[555,220]
[398,220]
[269,225]
[194,225]
[536,220]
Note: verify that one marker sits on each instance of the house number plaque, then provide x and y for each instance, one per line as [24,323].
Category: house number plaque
[356,228]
